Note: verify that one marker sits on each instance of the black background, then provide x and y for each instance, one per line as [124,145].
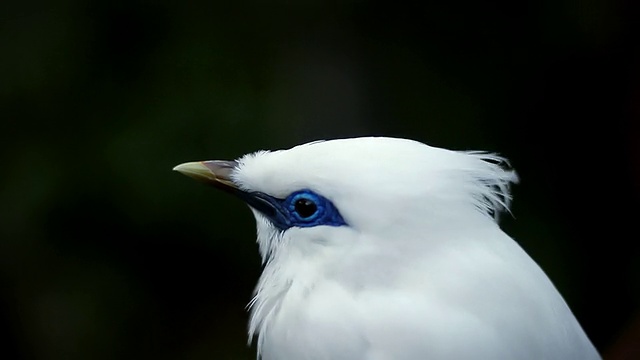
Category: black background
[105,253]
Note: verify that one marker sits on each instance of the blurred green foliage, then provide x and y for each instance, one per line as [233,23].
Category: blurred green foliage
[105,253]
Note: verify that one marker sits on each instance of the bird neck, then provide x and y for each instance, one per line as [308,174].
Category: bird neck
[288,276]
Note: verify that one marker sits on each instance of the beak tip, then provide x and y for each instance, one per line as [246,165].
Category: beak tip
[216,173]
[195,170]
[189,167]
[178,168]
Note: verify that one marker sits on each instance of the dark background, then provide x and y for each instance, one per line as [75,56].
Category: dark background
[105,253]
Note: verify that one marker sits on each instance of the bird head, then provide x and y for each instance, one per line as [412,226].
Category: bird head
[322,197]
[365,236]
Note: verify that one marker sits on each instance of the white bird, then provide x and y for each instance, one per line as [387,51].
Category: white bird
[389,249]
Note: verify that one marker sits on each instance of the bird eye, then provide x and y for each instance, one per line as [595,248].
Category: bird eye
[305,207]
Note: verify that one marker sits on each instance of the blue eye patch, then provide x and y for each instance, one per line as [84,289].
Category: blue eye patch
[302,208]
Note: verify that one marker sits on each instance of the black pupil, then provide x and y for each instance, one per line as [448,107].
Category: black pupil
[305,207]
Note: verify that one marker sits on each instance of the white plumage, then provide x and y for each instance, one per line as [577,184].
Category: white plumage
[418,269]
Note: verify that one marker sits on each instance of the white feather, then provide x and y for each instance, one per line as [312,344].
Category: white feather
[421,271]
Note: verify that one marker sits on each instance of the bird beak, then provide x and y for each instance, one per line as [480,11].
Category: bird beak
[218,174]
[215,173]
